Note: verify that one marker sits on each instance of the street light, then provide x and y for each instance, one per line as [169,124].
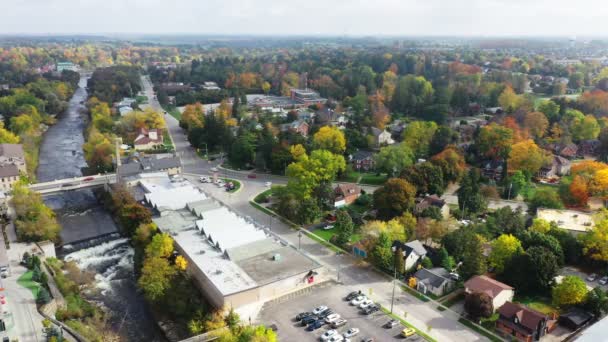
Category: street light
[299,240]
[394,249]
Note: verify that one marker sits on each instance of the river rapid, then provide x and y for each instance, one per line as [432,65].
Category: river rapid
[89,236]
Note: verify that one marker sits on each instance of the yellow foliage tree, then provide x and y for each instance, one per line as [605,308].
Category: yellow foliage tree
[193,116]
[331,139]
[527,156]
[181,263]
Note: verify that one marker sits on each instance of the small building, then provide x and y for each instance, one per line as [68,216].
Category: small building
[499,292]
[66,66]
[298,126]
[148,139]
[346,194]
[413,253]
[136,165]
[211,86]
[558,167]
[124,110]
[362,161]
[494,169]
[381,137]
[574,221]
[569,151]
[523,323]
[575,319]
[432,201]
[9,175]
[432,281]
[588,148]
[13,154]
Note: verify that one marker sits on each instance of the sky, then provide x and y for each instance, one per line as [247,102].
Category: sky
[566,18]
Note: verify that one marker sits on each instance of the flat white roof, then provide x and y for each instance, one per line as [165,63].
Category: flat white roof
[574,220]
[227,230]
[173,198]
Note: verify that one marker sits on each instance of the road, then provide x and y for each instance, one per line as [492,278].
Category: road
[348,270]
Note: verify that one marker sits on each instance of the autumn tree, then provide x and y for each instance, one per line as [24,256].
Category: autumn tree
[595,242]
[330,138]
[495,141]
[394,198]
[503,249]
[540,225]
[193,116]
[508,100]
[537,124]
[418,135]
[309,171]
[527,157]
[478,305]
[571,290]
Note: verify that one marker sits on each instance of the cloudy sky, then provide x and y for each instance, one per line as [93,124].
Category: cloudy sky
[309,17]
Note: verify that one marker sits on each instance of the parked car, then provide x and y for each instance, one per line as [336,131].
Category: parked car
[352,295]
[455,276]
[332,318]
[371,309]
[328,334]
[268,184]
[592,277]
[319,309]
[204,179]
[213,169]
[367,339]
[351,332]
[366,304]
[358,300]
[303,315]
[88,179]
[326,313]
[336,338]
[315,325]
[340,322]
[407,332]
[4,272]
[307,320]
[328,227]
[252,175]
[391,324]
[604,280]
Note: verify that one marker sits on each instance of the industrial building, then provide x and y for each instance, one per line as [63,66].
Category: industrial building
[234,261]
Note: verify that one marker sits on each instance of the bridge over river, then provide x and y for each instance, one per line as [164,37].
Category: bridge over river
[75,183]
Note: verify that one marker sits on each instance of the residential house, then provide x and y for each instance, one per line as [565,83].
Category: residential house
[362,161]
[381,137]
[124,110]
[346,194]
[298,126]
[413,252]
[135,165]
[523,323]
[499,292]
[558,167]
[494,169]
[12,154]
[569,151]
[326,116]
[432,201]
[433,281]
[148,139]
[588,148]
[9,175]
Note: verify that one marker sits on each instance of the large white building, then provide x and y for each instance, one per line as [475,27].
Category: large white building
[234,261]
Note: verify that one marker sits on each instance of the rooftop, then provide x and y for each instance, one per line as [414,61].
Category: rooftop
[573,220]
[486,285]
[173,198]
[12,150]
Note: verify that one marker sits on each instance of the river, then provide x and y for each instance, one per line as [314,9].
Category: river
[89,236]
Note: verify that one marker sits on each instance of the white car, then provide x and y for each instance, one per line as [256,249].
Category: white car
[319,310]
[351,332]
[220,183]
[329,334]
[365,304]
[332,318]
[336,338]
[214,169]
[268,184]
[358,300]
[205,179]
[328,227]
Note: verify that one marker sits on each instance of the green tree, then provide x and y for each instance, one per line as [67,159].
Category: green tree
[572,290]
[43,296]
[156,276]
[394,159]
[344,227]
[586,128]
[418,135]
[412,94]
[399,263]
[470,199]
[550,109]
[394,198]
[446,260]
[596,302]
[544,198]
[532,272]
[242,151]
[427,263]
[473,261]
[540,225]
[306,174]
[381,254]
[504,248]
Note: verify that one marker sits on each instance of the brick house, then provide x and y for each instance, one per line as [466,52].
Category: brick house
[559,166]
[362,161]
[523,323]
[432,201]
[298,126]
[148,139]
[346,194]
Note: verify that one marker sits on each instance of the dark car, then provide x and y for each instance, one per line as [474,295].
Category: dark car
[352,295]
[306,321]
[367,339]
[326,313]
[303,315]
[390,324]
[315,325]
[370,309]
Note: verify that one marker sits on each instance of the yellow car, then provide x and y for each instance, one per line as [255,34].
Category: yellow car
[407,332]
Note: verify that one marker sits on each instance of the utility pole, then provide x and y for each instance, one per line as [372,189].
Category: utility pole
[299,240]
[118,142]
[394,282]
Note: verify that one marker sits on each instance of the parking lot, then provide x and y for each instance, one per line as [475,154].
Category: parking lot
[282,314]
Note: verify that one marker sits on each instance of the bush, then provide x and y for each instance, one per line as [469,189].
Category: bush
[43,296]
[364,200]
[427,263]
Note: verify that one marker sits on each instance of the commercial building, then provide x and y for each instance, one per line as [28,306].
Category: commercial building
[234,261]
[574,221]
[66,66]
[136,165]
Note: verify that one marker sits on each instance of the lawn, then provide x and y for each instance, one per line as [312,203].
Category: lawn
[328,234]
[26,281]
[167,141]
[174,112]
[350,176]
[537,303]
[530,190]
[373,179]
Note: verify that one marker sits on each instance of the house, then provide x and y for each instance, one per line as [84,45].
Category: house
[211,86]
[558,167]
[124,110]
[413,252]
[493,169]
[381,137]
[12,154]
[346,194]
[523,323]
[569,151]
[298,126]
[499,292]
[432,201]
[575,319]
[9,175]
[136,165]
[148,139]
[433,281]
[362,160]
[588,148]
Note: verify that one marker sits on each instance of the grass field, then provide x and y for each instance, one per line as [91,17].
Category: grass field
[537,303]
[174,112]
[328,234]
[373,179]
[26,281]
